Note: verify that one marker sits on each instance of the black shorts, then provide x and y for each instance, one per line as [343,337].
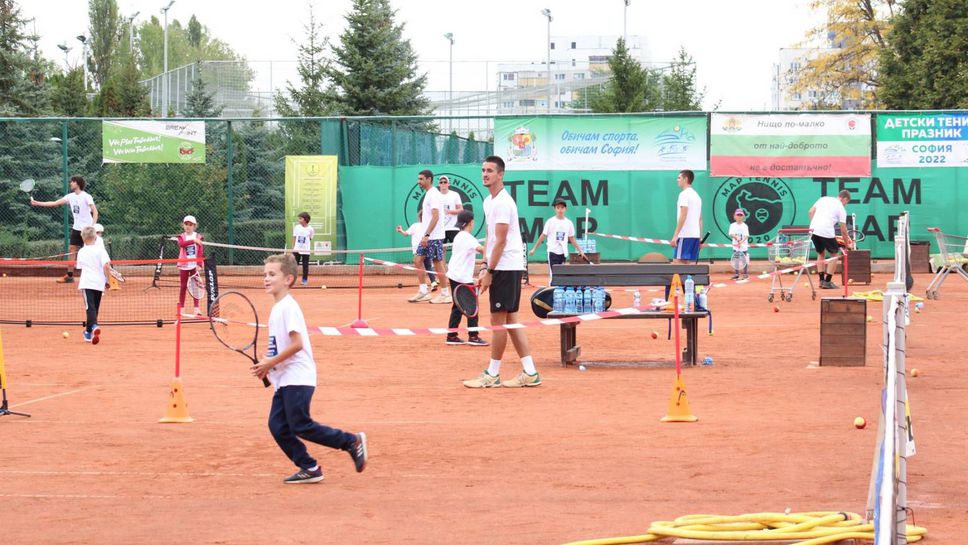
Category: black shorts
[449,236]
[824,244]
[556,259]
[505,290]
[76,239]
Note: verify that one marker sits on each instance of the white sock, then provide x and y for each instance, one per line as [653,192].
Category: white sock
[494,368]
[314,468]
[528,363]
[423,289]
[446,292]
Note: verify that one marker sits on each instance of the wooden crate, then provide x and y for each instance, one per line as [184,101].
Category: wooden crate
[858,267]
[843,332]
[920,258]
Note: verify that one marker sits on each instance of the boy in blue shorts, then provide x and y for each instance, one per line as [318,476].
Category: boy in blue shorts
[685,240]
[290,366]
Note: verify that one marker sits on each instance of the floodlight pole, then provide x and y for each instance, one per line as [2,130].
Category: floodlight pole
[547,13]
[450,88]
[164,73]
[131,32]
[625,23]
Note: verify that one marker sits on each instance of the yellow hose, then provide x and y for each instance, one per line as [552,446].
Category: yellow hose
[817,528]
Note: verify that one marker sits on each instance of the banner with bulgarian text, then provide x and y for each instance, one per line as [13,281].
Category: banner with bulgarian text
[789,145]
[922,139]
[311,187]
[601,142]
[151,141]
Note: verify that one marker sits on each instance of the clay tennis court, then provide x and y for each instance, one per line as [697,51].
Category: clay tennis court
[582,456]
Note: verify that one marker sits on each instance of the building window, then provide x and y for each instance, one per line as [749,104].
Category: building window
[795,66]
[796,96]
[598,58]
[508,76]
[527,102]
[574,45]
[812,94]
[580,75]
[509,104]
[552,45]
[559,76]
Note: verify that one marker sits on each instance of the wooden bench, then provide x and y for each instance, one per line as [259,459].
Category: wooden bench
[627,275]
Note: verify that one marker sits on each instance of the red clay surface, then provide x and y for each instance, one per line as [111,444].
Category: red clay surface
[582,456]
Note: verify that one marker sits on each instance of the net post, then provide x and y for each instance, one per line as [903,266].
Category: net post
[230,188]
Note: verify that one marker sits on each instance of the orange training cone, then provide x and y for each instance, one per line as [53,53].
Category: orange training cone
[177,410]
[679,404]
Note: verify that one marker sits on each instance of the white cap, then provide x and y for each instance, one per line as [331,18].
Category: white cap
[98,228]
[190,218]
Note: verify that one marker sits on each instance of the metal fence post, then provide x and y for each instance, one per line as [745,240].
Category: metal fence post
[229,163]
[66,179]
[393,142]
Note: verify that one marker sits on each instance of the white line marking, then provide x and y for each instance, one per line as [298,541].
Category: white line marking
[45,398]
[134,473]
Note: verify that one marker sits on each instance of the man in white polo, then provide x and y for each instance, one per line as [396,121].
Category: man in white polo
[824,215]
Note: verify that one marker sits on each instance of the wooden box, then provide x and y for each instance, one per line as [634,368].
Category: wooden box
[858,267]
[843,332]
[920,256]
[594,257]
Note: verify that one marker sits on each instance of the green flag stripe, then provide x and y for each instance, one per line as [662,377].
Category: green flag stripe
[797,146]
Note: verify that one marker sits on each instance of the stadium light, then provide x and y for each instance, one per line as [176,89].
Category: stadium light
[450,88]
[131,31]
[83,39]
[547,13]
[164,81]
[625,23]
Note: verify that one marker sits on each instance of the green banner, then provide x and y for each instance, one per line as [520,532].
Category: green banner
[643,203]
[150,141]
[311,187]
[922,140]
[608,143]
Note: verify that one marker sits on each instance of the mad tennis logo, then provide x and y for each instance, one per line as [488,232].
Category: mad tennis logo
[470,195]
[768,203]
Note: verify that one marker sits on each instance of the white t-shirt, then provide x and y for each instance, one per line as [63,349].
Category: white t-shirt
[416,232]
[91,260]
[303,236]
[558,231]
[689,198]
[80,204]
[99,242]
[300,368]
[190,252]
[740,229]
[503,209]
[451,202]
[828,211]
[434,200]
[461,265]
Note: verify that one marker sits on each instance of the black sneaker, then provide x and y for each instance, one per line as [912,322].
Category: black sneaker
[305,476]
[358,452]
[832,286]
[735,277]
[477,341]
[454,340]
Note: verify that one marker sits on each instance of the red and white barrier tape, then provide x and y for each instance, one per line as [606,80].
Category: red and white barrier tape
[397,265]
[669,242]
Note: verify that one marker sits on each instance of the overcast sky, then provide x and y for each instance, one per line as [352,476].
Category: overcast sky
[734,42]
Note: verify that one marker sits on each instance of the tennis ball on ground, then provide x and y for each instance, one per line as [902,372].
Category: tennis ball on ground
[860,423]
[582,368]
[776,308]
[915,372]
[870,318]
[322,287]
[655,334]
[66,334]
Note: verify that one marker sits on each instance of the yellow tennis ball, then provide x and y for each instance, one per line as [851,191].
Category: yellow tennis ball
[66,334]
[322,287]
[870,318]
[860,423]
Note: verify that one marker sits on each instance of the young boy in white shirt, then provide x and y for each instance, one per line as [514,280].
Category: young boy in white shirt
[559,231]
[416,233]
[95,266]
[740,233]
[460,270]
[302,238]
[290,366]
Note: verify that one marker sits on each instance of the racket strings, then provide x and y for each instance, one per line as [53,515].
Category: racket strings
[234,324]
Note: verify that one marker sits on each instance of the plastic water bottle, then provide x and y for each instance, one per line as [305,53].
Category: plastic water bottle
[594,245]
[704,299]
[588,301]
[636,299]
[570,300]
[579,296]
[690,288]
[559,300]
[598,299]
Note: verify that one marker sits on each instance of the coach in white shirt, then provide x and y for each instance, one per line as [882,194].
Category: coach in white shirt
[685,240]
[824,215]
[452,207]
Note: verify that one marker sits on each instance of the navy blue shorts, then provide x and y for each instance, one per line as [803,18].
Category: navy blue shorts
[434,250]
[687,249]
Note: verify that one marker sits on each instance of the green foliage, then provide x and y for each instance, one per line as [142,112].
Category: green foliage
[185,46]
[309,99]
[195,32]
[375,69]
[67,96]
[22,72]
[926,66]
[631,88]
[104,38]
[198,103]
[123,95]
[679,92]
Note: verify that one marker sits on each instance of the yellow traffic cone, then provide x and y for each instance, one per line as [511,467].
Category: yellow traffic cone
[679,404]
[177,410]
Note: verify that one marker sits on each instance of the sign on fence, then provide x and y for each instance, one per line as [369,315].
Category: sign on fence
[152,141]
[922,140]
[789,145]
[311,187]
[601,143]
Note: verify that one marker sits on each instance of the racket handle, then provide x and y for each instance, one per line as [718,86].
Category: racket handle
[266,383]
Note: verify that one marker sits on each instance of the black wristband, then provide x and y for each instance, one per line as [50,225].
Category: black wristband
[490,271]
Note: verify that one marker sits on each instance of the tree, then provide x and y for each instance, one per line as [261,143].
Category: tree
[375,69]
[845,71]
[123,95]
[631,88]
[195,32]
[198,103]
[22,72]
[67,96]
[926,66]
[679,89]
[105,35]
[310,98]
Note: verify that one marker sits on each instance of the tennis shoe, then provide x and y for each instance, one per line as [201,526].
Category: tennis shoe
[477,341]
[65,280]
[455,340]
[524,380]
[735,277]
[96,335]
[95,327]
[304,281]
[358,452]
[88,336]
[305,476]
[484,381]
[441,300]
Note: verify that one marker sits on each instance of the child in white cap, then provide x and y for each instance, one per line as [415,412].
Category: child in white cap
[189,248]
[740,233]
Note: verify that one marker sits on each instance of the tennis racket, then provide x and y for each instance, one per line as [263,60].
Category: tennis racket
[236,325]
[117,275]
[738,261]
[465,297]
[27,186]
[196,286]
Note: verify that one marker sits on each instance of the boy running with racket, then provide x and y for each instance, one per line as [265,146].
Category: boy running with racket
[740,233]
[302,237]
[460,270]
[289,365]
[189,247]
[95,266]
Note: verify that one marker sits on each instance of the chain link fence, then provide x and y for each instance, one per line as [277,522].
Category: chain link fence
[237,194]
